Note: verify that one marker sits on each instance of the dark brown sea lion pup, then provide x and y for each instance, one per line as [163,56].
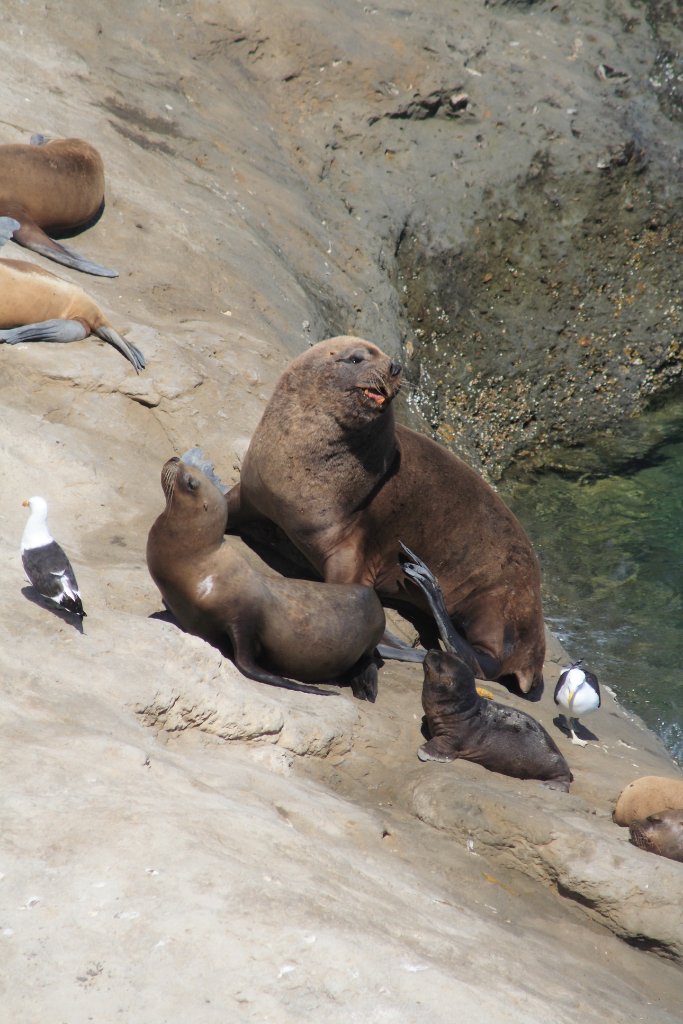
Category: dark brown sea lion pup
[660,833]
[463,724]
[54,186]
[329,465]
[35,305]
[274,627]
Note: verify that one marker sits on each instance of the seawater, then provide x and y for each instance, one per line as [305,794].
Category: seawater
[607,523]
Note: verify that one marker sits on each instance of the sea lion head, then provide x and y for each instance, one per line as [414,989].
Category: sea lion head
[660,833]
[195,508]
[449,687]
[449,699]
[365,379]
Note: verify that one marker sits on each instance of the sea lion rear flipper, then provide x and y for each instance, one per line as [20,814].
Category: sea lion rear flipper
[8,225]
[125,347]
[196,457]
[33,237]
[429,585]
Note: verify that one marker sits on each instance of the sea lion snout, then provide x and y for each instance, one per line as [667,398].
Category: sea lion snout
[660,833]
[169,472]
[395,369]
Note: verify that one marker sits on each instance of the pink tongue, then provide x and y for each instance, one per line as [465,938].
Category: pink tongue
[375,397]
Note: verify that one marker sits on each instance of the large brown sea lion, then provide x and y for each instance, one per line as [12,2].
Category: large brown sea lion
[272,627]
[35,305]
[54,186]
[463,724]
[660,833]
[329,465]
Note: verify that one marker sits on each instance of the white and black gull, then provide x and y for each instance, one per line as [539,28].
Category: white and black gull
[578,691]
[46,565]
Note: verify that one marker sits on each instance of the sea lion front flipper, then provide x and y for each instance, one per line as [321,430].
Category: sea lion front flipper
[363,681]
[400,653]
[71,330]
[8,225]
[429,585]
[33,237]
[47,330]
[431,751]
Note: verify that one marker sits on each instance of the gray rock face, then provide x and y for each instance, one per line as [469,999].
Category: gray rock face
[178,842]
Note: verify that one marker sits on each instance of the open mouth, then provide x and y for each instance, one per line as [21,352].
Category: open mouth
[378,397]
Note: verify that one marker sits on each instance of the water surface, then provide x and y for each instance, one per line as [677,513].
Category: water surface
[607,523]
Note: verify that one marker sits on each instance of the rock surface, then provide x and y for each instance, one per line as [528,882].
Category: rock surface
[176,840]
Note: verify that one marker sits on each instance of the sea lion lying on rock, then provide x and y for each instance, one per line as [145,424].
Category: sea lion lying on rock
[648,795]
[660,833]
[463,724]
[330,467]
[54,185]
[36,305]
[272,627]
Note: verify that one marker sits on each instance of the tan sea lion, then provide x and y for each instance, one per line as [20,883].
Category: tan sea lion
[329,465]
[54,186]
[660,833]
[35,305]
[646,796]
[272,627]
[463,724]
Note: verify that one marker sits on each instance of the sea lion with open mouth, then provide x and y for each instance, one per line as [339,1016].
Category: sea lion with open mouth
[329,465]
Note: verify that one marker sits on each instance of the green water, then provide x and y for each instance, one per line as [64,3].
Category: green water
[607,523]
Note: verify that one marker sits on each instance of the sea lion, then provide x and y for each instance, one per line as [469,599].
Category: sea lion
[50,309]
[646,796]
[330,467]
[660,833]
[272,627]
[463,724]
[53,185]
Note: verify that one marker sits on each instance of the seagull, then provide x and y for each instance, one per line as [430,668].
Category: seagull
[579,693]
[46,565]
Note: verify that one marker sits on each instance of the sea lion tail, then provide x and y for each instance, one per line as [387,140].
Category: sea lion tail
[8,225]
[125,347]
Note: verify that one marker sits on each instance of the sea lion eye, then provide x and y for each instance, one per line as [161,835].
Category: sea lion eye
[355,358]
[192,483]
